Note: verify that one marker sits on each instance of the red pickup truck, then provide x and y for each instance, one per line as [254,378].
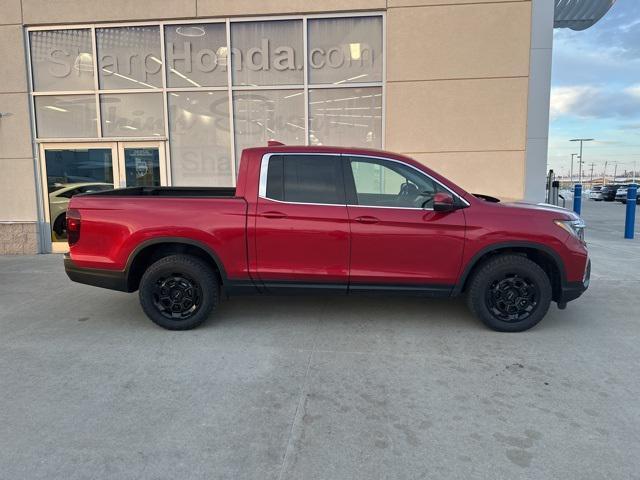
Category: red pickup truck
[327,219]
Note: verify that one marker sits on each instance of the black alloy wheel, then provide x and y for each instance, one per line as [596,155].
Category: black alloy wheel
[512,299]
[177,296]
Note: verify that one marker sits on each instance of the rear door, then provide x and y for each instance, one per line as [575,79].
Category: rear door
[302,226]
[397,240]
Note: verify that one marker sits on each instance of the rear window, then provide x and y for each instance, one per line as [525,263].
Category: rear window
[305,179]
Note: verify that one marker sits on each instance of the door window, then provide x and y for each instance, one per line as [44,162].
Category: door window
[384,183]
[305,179]
[142,167]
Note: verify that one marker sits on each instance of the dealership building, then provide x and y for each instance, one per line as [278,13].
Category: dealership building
[168,92]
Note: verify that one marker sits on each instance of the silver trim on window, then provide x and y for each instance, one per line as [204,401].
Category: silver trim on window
[264,167]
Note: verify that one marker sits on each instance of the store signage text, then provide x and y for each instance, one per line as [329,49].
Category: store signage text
[185,58]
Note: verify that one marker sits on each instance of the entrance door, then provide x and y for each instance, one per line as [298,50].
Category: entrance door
[69,169]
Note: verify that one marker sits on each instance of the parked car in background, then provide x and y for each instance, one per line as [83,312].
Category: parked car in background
[621,195]
[327,219]
[608,192]
[59,201]
[596,193]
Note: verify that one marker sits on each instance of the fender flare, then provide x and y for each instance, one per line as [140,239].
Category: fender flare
[176,240]
[505,245]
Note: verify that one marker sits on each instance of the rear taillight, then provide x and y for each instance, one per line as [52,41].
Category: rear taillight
[73,226]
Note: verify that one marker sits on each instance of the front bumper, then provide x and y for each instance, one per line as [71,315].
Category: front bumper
[572,290]
[111,279]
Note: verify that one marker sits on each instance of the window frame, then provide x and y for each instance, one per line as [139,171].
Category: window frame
[350,185]
[264,171]
[347,179]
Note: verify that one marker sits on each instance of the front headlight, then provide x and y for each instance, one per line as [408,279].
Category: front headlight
[574,227]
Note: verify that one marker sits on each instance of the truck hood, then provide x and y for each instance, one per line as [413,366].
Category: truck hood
[562,213]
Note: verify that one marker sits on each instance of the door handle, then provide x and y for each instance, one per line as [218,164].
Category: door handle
[366,219]
[274,215]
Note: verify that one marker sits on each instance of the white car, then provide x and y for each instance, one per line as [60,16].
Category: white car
[59,200]
[596,193]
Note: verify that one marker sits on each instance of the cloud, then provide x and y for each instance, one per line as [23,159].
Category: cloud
[589,101]
[565,99]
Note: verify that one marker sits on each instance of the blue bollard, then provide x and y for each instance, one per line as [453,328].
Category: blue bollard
[630,220]
[577,198]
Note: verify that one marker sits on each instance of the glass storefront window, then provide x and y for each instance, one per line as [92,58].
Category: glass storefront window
[345,50]
[61,60]
[267,53]
[346,117]
[196,55]
[199,138]
[66,116]
[129,57]
[261,115]
[266,98]
[70,172]
[132,115]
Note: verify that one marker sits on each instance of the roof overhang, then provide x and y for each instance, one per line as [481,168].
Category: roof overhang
[580,14]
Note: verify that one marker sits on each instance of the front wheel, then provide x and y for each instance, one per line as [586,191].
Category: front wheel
[178,292]
[509,293]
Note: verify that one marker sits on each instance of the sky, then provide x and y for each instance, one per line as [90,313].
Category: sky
[595,93]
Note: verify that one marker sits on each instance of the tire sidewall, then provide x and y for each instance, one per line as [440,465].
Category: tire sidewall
[191,267]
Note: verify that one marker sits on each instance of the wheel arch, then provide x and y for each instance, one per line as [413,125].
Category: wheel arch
[542,255]
[152,250]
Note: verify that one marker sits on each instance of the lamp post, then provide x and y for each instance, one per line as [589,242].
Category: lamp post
[571,172]
[581,159]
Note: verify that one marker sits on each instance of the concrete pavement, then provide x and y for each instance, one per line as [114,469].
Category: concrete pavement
[320,388]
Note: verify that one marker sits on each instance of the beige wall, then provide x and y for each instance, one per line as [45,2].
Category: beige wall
[457,85]
[18,208]
[17,182]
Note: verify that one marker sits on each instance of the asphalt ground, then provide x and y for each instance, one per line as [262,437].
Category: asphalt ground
[320,387]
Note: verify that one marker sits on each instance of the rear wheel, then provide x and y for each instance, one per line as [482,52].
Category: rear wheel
[179,292]
[509,293]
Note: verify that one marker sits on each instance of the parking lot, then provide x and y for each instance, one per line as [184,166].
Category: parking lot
[320,388]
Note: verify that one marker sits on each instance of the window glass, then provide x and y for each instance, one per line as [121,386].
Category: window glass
[70,116]
[345,50]
[267,53]
[73,171]
[200,141]
[346,117]
[196,55]
[132,115]
[265,115]
[129,57]
[61,60]
[313,179]
[383,183]
[275,178]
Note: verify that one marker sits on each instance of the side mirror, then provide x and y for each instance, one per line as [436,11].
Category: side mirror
[443,202]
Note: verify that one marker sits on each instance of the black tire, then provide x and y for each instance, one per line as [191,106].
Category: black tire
[509,293]
[60,225]
[179,292]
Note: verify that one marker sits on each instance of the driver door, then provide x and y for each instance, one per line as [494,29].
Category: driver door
[397,240]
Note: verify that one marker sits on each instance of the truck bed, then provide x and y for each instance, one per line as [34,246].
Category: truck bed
[189,192]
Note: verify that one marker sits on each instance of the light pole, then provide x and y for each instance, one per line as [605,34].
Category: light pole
[571,174]
[581,159]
